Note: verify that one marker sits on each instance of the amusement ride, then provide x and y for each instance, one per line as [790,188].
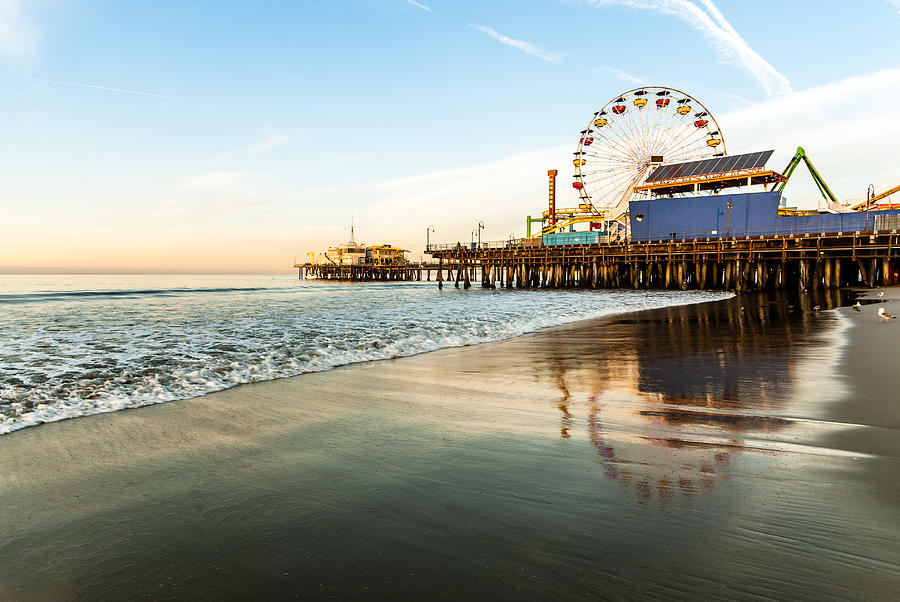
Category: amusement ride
[622,144]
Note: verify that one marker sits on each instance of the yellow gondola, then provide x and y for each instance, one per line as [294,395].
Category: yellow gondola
[713,142]
[579,162]
[640,102]
[684,110]
[599,122]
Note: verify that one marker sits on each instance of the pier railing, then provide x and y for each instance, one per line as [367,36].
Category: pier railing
[491,244]
[887,224]
[880,225]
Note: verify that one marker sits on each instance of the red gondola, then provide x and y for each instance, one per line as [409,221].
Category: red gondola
[662,102]
[618,109]
[701,123]
[588,141]
[577,185]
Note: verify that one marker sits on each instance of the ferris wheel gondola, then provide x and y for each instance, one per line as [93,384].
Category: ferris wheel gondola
[632,134]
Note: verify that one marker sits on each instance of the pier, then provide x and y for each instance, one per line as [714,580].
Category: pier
[741,263]
[681,215]
[388,272]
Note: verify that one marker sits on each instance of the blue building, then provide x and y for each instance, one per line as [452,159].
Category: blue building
[740,214]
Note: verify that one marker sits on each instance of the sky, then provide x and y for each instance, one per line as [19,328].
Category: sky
[226,136]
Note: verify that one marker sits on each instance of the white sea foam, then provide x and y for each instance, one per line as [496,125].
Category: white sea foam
[73,352]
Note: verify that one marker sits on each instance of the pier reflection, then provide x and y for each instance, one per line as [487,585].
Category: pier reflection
[672,397]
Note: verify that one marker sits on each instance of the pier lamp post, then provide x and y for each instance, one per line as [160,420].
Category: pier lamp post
[728,208]
[480,228]
[428,231]
[870,192]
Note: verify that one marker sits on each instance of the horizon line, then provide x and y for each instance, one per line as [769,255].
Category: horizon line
[101,271]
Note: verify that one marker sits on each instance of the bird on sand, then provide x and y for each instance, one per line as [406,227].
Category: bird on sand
[880,294]
[857,307]
[885,315]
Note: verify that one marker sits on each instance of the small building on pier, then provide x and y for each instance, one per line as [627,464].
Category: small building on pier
[358,262]
[353,254]
[386,255]
[346,254]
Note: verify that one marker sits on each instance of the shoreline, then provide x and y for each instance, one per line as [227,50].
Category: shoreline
[738,428]
[233,395]
[119,405]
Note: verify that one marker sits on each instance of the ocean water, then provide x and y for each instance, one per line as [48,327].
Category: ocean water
[72,346]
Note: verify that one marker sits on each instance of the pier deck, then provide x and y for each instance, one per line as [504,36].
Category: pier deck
[740,263]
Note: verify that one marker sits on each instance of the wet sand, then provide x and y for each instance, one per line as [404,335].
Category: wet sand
[739,449]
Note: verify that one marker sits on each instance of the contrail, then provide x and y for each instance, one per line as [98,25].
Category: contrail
[526,47]
[77,85]
[703,16]
[422,6]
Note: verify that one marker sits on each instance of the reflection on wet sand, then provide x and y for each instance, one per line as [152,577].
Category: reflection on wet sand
[671,399]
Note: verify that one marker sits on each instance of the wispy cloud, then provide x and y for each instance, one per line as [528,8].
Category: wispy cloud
[418,5]
[622,75]
[896,4]
[841,148]
[78,85]
[716,28]
[526,47]
[18,35]
[264,146]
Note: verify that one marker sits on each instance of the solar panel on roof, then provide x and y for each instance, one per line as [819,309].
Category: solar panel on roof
[725,164]
[693,167]
[743,162]
[710,166]
[658,173]
[756,157]
[716,165]
[676,170]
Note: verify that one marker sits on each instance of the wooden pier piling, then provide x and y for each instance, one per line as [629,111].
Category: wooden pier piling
[395,272]
[741,264]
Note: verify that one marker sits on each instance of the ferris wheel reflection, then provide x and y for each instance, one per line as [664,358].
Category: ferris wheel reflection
[673,398]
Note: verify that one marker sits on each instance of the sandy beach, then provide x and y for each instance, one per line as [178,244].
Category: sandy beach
[746,448]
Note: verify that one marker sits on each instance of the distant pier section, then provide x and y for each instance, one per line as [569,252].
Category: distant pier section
[363,263]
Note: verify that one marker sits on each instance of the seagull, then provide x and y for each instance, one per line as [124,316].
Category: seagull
[885,315]
[880,294]
[816,308]
[857,307]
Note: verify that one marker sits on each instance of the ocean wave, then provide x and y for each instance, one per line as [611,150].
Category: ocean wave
[39,296]
[78,358]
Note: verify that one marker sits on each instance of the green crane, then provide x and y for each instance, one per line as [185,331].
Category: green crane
[817,178]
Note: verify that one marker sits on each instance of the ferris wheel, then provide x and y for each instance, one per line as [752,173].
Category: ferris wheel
[630,135]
